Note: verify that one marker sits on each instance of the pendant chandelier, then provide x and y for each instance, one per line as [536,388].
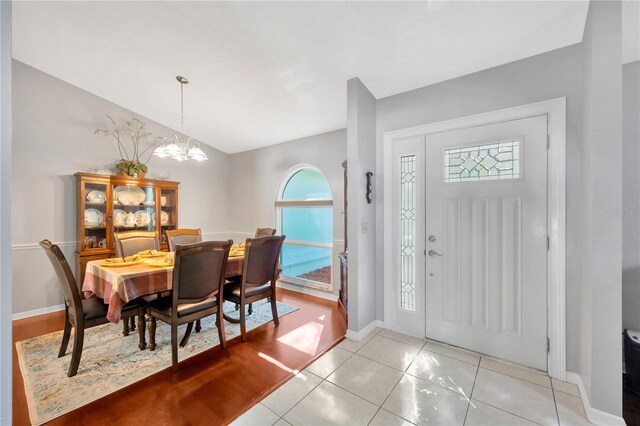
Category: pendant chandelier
[181,147]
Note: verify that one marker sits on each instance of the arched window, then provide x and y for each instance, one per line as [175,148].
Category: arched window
[305,216]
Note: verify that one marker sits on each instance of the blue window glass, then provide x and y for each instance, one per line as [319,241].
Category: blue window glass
[307,184]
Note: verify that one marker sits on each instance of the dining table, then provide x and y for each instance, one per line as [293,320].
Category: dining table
[118,285]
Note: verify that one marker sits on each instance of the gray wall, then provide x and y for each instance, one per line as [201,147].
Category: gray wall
[361,128]
[600,357]
[550,75]
[256,176]
[5,214]
[53,138]
[631,196]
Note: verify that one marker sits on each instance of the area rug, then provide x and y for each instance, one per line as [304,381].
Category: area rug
[111,361]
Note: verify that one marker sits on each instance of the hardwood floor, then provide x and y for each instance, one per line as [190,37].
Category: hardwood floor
[212,388]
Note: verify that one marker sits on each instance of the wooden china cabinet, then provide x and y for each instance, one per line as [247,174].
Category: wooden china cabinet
[114,203]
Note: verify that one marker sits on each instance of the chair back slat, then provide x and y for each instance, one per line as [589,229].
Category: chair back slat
[183,236]
[199,270]
[261,259]
[65,276]
[132,242]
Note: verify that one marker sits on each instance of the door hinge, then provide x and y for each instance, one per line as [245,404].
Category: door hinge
[548,141]
[548,243]
[425,252]
[548,345]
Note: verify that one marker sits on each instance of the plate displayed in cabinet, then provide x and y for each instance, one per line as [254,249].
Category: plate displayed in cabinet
[142,217]
[119,217]
[129,195]
[93,218]
[164,218]
[97,197]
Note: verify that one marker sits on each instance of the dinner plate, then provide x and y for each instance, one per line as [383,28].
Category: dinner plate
[148,254]
[142,217]
[96,196]
[121,264]
[129,195]
[164,218]
[161,263]
[93,217]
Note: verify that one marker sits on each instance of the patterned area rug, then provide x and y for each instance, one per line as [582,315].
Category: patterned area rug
[111,361]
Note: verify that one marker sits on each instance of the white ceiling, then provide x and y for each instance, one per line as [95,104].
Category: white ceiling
[267,72]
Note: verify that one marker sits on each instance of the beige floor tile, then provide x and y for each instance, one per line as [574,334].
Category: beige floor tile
[385,418]
[519,397]
[327,405]
[328,363]
[565,387]
[447,372]
[523,373]
[389,352]
[481,414]
[453,352]
[258,415]
[367,379]
[570,410]
[424,403]
[409,340]
[286,396]
[352,345]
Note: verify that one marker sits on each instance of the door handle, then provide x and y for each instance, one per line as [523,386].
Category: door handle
[432,253]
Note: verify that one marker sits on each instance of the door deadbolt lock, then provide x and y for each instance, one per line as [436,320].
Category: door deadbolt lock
[431,238]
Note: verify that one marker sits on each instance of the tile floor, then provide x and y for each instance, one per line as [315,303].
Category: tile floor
[393,379]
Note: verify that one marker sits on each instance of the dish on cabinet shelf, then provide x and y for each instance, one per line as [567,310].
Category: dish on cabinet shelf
[142,217]
[93,218]
[119,217]
[149,203]
[164,218]
[97,197]
[129,195]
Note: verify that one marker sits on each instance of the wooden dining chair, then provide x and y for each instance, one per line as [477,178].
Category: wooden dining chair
[259,275]
[82,314]
[129,243]
[132,242]
[184,236]
[198,286]
[264,232]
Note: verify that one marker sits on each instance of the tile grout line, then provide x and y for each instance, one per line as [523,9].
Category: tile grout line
[305,395]
[555,403]
[472,389]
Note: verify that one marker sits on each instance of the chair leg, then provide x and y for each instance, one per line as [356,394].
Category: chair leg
[237,306]
[78,342]
[152,333]
[141,331]
[198,326]
[187,333]
[65,338]
[132,323]
[243,324]
[125,326]
[174,347]
[220,325]
[274,311]
[250,308]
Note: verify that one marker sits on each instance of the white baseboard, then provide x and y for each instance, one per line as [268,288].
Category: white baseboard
[35,312]
[359,335]
[308,290]
[594,415]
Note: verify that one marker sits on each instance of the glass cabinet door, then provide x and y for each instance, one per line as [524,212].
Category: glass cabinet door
[134,208]
[168,211]
[94,199]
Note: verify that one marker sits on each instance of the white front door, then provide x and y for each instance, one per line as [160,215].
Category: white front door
[486,239]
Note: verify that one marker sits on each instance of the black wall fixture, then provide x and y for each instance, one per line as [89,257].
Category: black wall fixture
[369,187]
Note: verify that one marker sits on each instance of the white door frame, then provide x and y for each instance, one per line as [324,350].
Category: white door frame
[555,110]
